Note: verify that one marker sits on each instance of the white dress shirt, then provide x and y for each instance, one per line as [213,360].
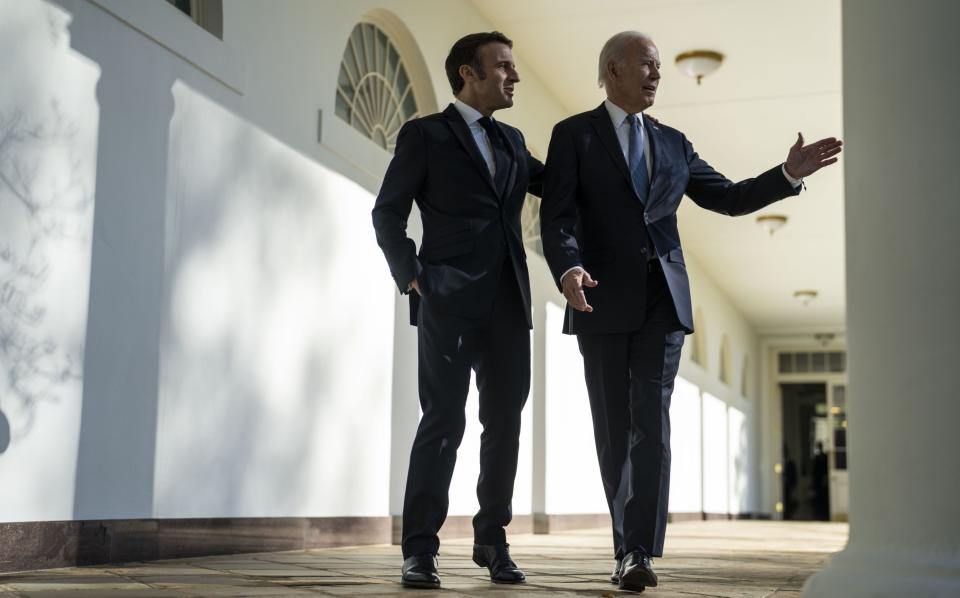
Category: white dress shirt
[471,116]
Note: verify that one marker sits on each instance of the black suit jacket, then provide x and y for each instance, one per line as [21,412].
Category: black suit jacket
[467,224]
[591,216]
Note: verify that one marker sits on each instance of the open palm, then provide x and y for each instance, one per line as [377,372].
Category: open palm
[804,160]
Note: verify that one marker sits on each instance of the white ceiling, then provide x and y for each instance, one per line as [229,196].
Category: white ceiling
[781,74]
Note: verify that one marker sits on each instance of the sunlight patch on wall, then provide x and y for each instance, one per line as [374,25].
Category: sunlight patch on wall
[275,335]
[48,145]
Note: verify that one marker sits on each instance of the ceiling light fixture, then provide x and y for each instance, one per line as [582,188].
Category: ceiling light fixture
[824,338]
[699,63]
[805,296]
[772,222]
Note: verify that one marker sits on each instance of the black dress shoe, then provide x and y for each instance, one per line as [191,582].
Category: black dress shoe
[420,571]
[637,574]
[496,558]
[615,576]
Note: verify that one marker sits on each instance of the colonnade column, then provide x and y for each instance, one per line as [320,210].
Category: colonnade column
[538,396]
[901,86]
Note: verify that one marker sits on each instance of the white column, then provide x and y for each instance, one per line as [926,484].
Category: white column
[901,88]
[538,395]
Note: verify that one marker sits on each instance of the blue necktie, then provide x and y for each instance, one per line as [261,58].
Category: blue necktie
[635,160]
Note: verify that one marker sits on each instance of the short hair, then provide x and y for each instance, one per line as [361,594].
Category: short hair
[614,51]
[466,51]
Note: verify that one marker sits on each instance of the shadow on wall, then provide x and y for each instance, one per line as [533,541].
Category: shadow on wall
[43,206]
[4,433]
[235,319]
[114,471]
[273,329]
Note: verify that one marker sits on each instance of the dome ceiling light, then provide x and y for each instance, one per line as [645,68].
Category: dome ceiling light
[805,296]
[699,63]
[772,222]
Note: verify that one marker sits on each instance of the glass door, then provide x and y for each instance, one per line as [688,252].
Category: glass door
[839,478]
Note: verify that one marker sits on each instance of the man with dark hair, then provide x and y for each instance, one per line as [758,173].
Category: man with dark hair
[465,52]
[614,181]
[469,297]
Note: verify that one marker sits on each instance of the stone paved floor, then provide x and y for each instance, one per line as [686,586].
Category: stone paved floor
[735,559]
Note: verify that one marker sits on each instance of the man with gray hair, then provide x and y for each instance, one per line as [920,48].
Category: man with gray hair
[614,181]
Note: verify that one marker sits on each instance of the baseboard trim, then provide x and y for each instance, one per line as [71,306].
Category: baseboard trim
[50,544]
[545,523]
[731,516]
[37,545]
[461,526]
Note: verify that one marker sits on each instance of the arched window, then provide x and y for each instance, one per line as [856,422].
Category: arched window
[375,93]
[699,337]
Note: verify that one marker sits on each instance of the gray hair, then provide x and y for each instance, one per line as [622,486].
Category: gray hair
[615,51]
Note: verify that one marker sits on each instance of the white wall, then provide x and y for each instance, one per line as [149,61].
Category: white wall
[744,405]
[686,448]
[713,440]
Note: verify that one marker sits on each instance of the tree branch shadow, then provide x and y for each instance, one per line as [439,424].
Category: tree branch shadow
[39,209]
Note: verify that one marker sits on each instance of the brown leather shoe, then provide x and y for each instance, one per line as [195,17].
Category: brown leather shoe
[420,571]
[496,558]
[637,572]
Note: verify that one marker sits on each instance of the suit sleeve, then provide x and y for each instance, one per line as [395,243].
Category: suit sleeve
[403,179]
[711,190]
[558,210]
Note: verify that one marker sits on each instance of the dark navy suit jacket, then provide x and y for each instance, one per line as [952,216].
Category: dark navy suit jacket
[469,226]
[591,216]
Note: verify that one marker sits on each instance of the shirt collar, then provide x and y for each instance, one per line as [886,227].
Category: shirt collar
[470,114]
[618,114]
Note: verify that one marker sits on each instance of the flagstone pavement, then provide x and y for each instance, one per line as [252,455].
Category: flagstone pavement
[730,559]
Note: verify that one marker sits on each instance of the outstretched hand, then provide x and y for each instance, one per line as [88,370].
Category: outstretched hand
[804,160]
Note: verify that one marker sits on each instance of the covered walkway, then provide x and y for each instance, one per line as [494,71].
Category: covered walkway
[713,558]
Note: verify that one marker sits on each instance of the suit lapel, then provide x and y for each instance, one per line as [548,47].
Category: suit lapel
[462,132]
[660,159]
[512,152]
[601,123]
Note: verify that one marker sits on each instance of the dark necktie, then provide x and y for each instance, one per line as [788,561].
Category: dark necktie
[501,159]
[635,159]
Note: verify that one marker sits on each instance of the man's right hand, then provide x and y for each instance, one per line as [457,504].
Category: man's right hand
[573,283]
[415,286]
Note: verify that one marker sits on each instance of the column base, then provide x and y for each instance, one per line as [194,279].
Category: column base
[886,573]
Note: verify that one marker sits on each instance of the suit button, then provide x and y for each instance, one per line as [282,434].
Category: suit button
[643,250]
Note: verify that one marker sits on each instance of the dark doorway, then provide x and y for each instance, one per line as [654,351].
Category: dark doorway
[806,481]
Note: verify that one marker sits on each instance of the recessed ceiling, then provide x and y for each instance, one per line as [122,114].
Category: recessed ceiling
[781,74]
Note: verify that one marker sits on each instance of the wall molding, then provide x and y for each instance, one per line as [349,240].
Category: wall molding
[49,544]
[178,34]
